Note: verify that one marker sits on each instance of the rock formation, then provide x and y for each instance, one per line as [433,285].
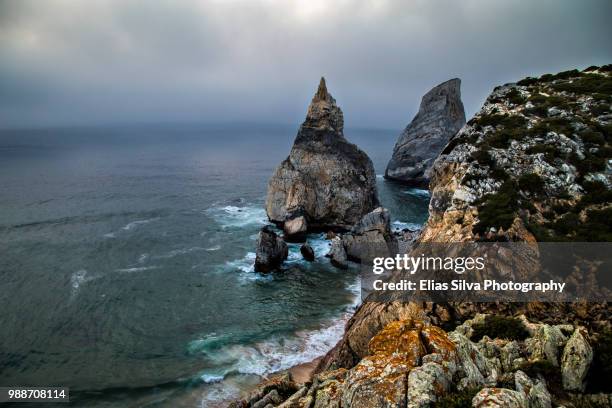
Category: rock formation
[412,363]
[370,237]
[439,118]
[271,251]
[307,252]
[326,182]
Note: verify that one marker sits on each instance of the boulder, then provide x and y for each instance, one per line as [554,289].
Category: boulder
[440,116]
[295,229]
[370,237]
[337,253]
[499,398]
[271,251]
[545,344]
[307,252]
[575,362]
[327,180]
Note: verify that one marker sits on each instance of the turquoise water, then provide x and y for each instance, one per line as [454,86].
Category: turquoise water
[127,257]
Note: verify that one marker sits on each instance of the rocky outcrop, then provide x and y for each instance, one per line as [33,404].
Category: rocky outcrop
[575,362]
[326,182]
[440,116]
[411,363]
[271,251]
[370,237]
[337,253]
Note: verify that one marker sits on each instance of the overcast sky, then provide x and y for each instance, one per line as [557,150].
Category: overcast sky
[73,62]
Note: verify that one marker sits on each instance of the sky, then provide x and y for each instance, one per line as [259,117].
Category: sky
[89,62]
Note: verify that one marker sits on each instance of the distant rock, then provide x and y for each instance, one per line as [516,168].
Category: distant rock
[326,180]
[440,116]
[307,252]
[271,251]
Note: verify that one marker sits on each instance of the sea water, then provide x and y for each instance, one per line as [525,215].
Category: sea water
[126,265]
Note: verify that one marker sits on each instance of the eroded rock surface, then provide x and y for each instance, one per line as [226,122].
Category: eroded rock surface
[271,251]
[440,116]
[326,180]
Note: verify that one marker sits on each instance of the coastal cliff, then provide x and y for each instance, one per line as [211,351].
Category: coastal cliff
[534,164]
[326,182]
[440,116]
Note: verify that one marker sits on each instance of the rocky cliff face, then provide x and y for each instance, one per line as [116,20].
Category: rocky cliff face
[439,118]
[326,182]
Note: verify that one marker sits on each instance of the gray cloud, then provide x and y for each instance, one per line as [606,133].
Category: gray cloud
[78,62]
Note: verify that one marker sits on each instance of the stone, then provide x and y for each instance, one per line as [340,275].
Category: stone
[499,398]
[337,254]
[378,381]
[536,393]
[426,384]
[575,362]
[271,251]
[325,179]
[371,237]
[270,398]
[545,344]
[307,252]
[472,364]
[295,229]
[440,116]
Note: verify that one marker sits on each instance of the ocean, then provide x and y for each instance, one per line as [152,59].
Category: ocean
[126,263]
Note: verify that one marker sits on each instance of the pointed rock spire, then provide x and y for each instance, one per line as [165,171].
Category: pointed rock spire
[323,112]
[322,94]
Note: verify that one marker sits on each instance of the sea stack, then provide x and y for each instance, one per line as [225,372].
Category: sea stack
[440,117]
[326,182]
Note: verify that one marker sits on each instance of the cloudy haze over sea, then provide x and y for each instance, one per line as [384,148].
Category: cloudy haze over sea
[66,62]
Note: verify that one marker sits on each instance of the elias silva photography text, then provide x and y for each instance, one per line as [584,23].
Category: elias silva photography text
[458,265]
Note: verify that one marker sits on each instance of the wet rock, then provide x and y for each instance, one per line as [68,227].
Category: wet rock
[337,254]
[499,398]
[295,229]
[575,362]
[325,179]
[271,251]
[307,252]
[440,116]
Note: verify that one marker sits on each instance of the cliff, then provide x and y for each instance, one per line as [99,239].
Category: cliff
[440,116]
[533,165]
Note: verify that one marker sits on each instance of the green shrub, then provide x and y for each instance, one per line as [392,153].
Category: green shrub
[587,84]
[527,81]
[592,137]
[550,152]
[532,183]
[500,327]
[566,224]
[457,399]
[515,97]
[497,210]
[483,157]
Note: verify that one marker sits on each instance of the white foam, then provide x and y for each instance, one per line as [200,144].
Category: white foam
[213,248]
[77,279]
[134,224]
[177,252]
[137,269]
[231,216]
[281,352]
[400,225]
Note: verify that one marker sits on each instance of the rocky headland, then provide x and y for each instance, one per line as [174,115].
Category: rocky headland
[440,117]
[534,164]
